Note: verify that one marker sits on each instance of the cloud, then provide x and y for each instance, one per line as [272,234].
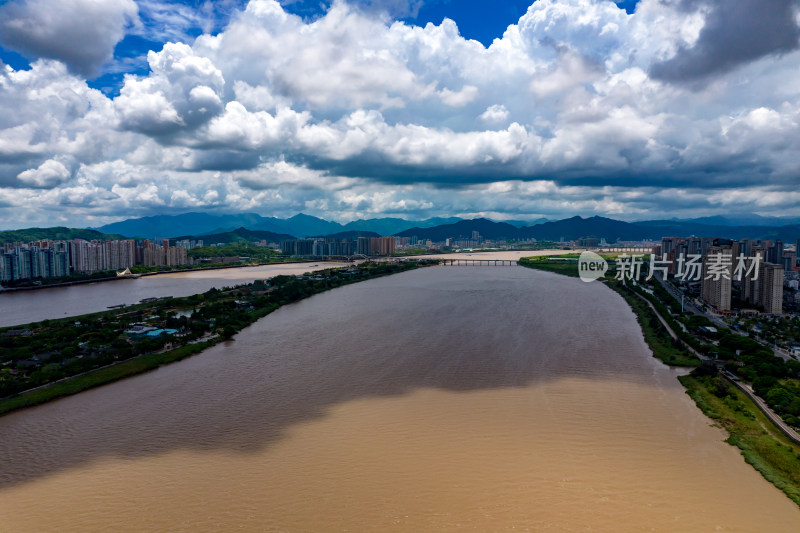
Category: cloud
[48,174]
[734,33]
[459,98]
[390,8]
[393,8]
[182,92]
[353,114]
[495,114]
[80,33]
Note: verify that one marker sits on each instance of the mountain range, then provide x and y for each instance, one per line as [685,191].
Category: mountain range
[301,225]
[57,233]
[601,227]
[249,226]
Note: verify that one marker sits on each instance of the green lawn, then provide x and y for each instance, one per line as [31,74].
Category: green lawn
[762,445]
[100,377]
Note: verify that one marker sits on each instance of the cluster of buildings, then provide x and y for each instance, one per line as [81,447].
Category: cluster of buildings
[372,246]
[754,269]
[49,259]
[326,247]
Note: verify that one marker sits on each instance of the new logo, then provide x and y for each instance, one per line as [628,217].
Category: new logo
[591,266]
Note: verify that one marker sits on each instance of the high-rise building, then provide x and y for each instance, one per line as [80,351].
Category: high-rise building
[363,246]
[744,247]
[374,246]
[789,260]
[288,247]
[6,266]
[775,253]
[751,285]
[717,274]
[772,289]
[797,250]
[386,245]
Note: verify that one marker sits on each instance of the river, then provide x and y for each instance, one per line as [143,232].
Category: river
[23,307]
[440,399]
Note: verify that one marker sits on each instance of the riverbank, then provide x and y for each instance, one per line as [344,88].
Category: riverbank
[228,312]
[64,284]
[761,443]
[664,347]
[156,273]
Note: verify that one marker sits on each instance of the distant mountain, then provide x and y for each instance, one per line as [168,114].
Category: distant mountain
[392,226]
[57,234]
[307,225]
[613,230]
[439,229]
[577,227]
[601,227]
[749,219]
[666,228]
[301,225]
[571,228]
[162,226]
[238,235]
[351,235]
[464,228]
[525,223]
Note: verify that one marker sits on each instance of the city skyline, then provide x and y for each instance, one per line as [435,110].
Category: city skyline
[641,110]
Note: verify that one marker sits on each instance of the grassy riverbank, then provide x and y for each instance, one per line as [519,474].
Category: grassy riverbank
[217,315]
[664,347]
[761,444]
[100,376]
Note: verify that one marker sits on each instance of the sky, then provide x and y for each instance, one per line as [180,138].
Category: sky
[349,109]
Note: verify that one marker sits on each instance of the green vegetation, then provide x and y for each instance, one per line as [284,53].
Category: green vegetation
[59,233]
[761,444]
[551,264]
[775,380]
[93,349]
[99,377]
[670,351]
[238,249]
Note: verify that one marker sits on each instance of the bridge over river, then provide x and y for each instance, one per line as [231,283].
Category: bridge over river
[477,262]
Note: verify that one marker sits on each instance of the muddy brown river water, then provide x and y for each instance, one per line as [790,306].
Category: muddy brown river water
[441,399]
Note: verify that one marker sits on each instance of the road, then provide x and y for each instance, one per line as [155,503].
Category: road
[670,330]
[677,294]
[772,415]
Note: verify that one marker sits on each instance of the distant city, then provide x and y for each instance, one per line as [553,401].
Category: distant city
[54,259]
[760,288]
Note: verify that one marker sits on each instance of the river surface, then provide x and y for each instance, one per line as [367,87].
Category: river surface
[23,307]
[441,399]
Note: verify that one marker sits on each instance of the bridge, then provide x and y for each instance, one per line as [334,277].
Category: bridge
[477,262]
[626,249]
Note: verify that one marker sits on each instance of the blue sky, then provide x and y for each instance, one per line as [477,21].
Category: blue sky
[407,108]
[478,20]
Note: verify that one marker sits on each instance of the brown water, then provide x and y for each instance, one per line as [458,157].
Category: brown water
[485,399]
[23,307]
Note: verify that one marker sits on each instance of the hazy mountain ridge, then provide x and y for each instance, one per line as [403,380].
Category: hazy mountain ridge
[601,227]
[464,228]
[300,225]
[212,228]
[57,233]
[238,235]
